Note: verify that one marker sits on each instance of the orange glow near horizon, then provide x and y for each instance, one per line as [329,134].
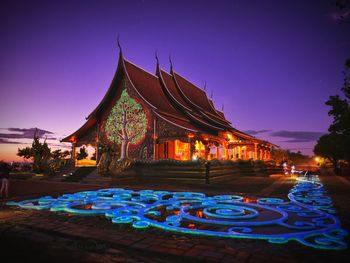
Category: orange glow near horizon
[8,153]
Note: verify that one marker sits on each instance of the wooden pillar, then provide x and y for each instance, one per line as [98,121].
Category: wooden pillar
[74,153]
[190,141]
[154,139]
[97,152]
[255,151]
[207,150]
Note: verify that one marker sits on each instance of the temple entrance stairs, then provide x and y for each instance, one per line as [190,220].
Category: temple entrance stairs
[62,173]
[96,179]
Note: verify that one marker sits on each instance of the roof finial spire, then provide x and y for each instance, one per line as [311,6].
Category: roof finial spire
[205,85]
[120,47]
[222,108]
[211,94]
[171,63]
[156,54]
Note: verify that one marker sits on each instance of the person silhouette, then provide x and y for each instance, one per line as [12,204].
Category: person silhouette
[4,177]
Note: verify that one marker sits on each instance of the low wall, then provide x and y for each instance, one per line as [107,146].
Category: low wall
[195,171]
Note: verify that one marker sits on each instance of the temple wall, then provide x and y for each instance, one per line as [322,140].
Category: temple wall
[88,138]
[166,135]
[143,149]
[167,130]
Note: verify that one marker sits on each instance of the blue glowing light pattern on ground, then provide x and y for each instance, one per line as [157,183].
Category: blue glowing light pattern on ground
[306,217]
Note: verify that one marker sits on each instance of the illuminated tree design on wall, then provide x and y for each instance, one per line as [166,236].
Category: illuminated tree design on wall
[126,123]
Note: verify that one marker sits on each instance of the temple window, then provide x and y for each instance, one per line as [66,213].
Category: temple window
[199,150]
[212,152]
[182,150]
[85,155]
[243,152]
[221,152]
[230,153]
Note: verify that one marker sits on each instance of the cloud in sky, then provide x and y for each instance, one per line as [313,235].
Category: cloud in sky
[13,138]
[22,136]
[18,133]
[5,141]
[253,132]
[297,136]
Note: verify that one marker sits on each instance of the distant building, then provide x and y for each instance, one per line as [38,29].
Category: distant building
[160,116]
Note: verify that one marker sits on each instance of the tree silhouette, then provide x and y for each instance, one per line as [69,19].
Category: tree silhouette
[335,145]
[126,123]
[82,153]
[39,152]
[330,146]
[25,153]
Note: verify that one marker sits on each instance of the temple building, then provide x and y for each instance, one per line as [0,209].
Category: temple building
[160,116]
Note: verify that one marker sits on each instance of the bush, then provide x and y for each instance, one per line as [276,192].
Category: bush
[166,162]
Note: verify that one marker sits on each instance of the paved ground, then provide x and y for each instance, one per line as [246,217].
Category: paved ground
[45,236]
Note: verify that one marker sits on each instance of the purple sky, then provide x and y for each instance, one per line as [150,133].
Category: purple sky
[272,64]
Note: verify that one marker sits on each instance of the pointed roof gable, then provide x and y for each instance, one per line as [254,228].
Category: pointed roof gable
[170,96]
[195,95]
[83,129]
[148,86]
[176,98]
[112,88]
[198,99]
[173,91]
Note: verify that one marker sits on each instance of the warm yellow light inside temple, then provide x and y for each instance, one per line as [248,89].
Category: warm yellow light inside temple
[86,157]
[199,150]
[182,150]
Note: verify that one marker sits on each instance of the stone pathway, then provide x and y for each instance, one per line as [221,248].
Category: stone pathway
[343,180]
[95,239]
[272,187]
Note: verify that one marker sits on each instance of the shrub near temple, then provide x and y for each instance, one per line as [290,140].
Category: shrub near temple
[40,153]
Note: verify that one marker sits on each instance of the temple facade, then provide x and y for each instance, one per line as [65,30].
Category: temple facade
[160,116]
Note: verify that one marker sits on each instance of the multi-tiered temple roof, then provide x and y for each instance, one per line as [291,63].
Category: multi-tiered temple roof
[171,97]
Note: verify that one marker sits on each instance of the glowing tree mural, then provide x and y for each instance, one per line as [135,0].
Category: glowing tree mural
[126,123]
